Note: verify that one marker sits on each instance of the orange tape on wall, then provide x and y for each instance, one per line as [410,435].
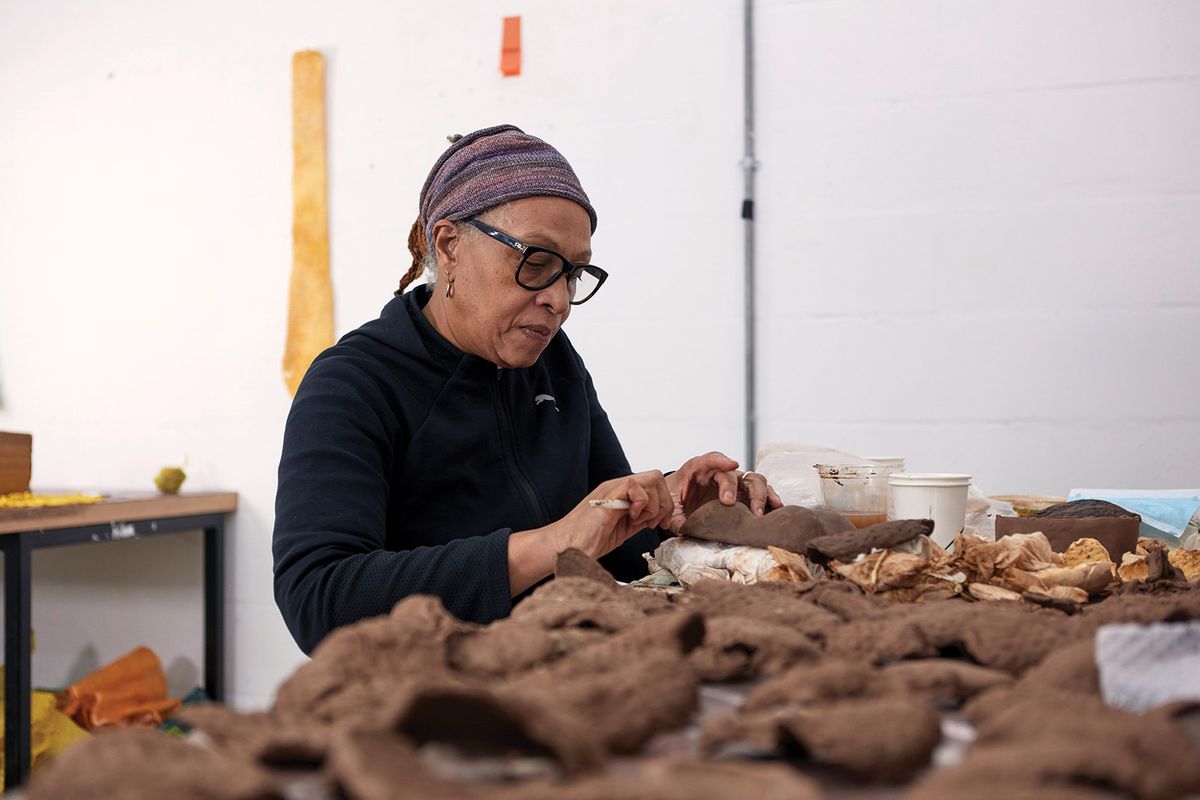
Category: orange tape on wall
[510,47]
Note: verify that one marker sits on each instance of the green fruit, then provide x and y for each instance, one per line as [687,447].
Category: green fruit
[169,479]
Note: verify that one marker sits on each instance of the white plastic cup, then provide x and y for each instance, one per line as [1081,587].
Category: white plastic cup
[939,496]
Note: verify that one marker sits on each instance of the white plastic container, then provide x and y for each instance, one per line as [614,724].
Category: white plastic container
[856,491]
[939,496]
[896,462]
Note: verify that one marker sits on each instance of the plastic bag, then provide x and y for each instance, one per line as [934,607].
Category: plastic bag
[789,469]
[982,512]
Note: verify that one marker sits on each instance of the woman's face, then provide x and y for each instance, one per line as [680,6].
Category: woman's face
[490,315]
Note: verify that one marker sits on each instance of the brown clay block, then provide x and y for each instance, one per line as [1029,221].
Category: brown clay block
[268,739]
[1041,770]
[943,680]
[790,527]
[376,655]
[499,724]
[888,738]
[741,648]
[141,764]
[848,544]
[770,602]
[625,688]
[16,462]
[815,682]
[368,765]
[1063,523]
[1070,669]
[674,779]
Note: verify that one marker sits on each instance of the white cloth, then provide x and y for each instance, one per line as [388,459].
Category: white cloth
[1143,666]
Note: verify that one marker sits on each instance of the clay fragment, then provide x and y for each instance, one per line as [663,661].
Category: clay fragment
[815,682]
[1186,561]
[1071,668]
[381,766]
[1142,609]
[264,737]
[845,546]
[575,602]
[1133,568]
[878,641]
[500,724]
[768,602]
[1041,770]
[879,739]
[1136,739]
[741,648]
[1012,639]
[357,666]
[1061,598]
[142,764]
[790,527]
[943,680]
[625,688]
[1076,509]
[1088,550]
[695,780]
[1145,544]
[574,563]
[506,647]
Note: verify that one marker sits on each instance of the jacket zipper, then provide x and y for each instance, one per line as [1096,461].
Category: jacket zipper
[507,445]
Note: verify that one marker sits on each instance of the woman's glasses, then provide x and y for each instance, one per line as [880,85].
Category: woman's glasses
[539,267]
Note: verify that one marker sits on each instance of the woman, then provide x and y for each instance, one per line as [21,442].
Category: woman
[451,446]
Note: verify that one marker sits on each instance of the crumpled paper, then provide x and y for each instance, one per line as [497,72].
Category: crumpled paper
[694,560]
[1025,562]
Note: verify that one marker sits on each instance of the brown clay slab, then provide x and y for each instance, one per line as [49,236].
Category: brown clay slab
[1117,534]
[790,527]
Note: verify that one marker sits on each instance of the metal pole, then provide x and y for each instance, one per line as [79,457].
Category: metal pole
[749,166]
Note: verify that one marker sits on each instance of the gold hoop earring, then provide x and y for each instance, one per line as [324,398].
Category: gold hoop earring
[450,287]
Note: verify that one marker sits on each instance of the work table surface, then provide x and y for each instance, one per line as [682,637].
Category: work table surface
[119,507]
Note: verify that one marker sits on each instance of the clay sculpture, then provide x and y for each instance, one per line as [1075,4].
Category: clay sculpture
[845,545]
[790,527]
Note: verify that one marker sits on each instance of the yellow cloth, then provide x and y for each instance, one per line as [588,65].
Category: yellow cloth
[31,500]
[52,731]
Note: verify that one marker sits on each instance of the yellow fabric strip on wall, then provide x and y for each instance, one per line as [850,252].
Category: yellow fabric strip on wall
[310,296]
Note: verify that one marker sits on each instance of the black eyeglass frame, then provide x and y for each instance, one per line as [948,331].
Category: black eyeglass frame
[526,250]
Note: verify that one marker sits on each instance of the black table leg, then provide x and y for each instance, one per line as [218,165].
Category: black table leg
[17,662]
[214,611]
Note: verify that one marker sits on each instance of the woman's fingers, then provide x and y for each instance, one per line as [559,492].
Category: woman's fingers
[666,505]
[756,492]
[773,499]
[637,496]
[727,484]
[699,471]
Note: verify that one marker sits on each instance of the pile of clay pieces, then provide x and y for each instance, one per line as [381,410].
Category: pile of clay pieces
[847,673]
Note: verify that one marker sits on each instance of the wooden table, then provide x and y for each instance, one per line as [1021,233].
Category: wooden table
[127,516]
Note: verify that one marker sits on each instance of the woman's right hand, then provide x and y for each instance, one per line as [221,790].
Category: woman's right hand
[598,531]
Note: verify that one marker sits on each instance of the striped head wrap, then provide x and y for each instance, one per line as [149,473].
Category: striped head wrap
[484,169]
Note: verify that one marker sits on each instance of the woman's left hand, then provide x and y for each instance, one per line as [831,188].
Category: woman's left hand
[714,476]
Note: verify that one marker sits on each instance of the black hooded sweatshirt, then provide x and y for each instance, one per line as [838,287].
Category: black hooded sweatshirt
[406,465]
